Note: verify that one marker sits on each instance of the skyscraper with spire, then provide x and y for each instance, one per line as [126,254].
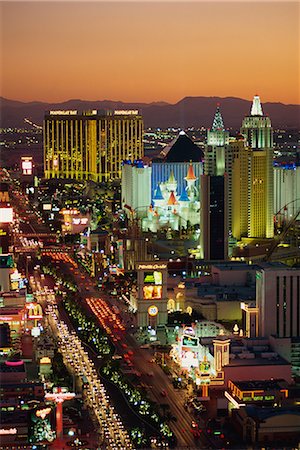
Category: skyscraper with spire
[215,153]
[217,188]
[257,130]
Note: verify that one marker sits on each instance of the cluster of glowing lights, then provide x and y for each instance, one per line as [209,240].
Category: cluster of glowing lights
[109,321]
[61,257]
[78,361]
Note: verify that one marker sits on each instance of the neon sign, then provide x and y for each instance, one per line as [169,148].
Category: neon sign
[152,266]
[63,113]
[59,397]
[4,197]
[14,363]
[126,112]
[72,212]
[43,412]
[189,341]
[8,431]
[35,311]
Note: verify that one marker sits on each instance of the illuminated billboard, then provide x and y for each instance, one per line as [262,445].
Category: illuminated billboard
[26,163]
[189,341]
[6,215]
[152,292]
[153,277]
[15,279]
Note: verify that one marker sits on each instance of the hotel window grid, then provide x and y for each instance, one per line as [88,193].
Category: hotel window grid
[291,306]
[298,306]
[84,146]
[277,305]
[284,307]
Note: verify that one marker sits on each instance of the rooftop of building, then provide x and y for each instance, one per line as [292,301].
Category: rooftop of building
[265,413]
[182,149]
[257,361]
[235,265]
[227,292]
[138,163]
[265,385]
[253,352]
[93,113]
[275,266]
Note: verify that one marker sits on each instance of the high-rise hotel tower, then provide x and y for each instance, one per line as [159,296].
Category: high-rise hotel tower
[216,191]
[258,132]
[216,150]
[91,145]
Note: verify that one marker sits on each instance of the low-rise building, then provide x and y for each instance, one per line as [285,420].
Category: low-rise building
[268,425]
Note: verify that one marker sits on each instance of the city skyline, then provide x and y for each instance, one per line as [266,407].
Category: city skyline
[147,52]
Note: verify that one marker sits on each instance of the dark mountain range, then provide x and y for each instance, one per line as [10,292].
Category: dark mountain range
[190,111]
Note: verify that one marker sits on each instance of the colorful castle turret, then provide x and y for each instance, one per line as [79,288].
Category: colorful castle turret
[191,179]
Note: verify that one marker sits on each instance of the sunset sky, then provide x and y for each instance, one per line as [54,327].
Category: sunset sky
[149,51]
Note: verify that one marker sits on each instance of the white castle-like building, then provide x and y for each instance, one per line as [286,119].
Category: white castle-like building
[171,208]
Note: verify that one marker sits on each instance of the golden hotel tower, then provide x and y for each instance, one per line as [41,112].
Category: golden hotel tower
[91,145]
[258,186]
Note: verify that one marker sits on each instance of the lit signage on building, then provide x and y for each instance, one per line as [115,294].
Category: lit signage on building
[59,397]
[26,163]
[47,207]
[6,215]
[153,277]
[126,112]
[82,221]
[188,341]
[34,311]
[71,212]
[153,310]
[14,363]
[15,279]
[4,431]
[43,412]
[35,332]
[155,266]
[152,292]
[63,113]
[120,248]
[4,197]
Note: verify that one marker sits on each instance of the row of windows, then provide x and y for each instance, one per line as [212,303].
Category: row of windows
[284,322]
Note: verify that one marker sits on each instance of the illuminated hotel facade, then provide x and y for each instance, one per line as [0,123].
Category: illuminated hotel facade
[258,131]
[91,145]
